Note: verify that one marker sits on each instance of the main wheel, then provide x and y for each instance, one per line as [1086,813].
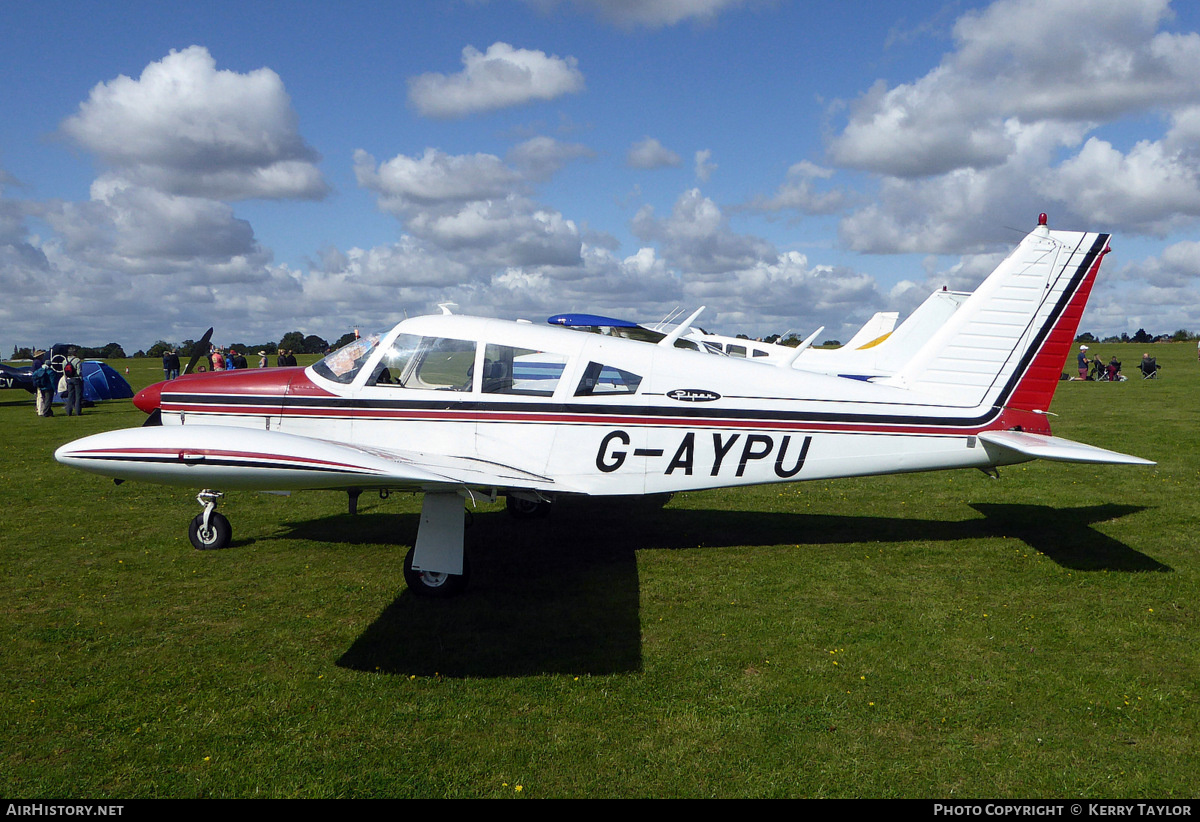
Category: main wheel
[433,583]
[520,508]
[215,537]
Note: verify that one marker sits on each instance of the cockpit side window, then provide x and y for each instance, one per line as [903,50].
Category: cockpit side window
[437,363]
[393,366]
[602,380]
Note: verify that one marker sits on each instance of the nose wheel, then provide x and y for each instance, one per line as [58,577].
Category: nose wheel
[210,530]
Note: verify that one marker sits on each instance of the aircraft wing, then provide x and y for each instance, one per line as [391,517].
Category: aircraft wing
[1039,446]
[217,456]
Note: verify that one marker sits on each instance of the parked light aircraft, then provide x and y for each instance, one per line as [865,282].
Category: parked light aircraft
[876,350]
[457,406]
[16,377]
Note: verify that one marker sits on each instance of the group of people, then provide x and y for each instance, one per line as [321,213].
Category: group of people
[233,360]
[62,375]
[219,360]
[1096,369]
[170,364]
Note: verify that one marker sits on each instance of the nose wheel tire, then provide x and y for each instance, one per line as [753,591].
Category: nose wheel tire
[433,583]
[213,538]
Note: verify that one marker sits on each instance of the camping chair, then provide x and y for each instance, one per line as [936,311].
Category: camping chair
[1150,368]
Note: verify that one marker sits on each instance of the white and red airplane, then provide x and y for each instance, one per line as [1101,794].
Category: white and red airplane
[457,406]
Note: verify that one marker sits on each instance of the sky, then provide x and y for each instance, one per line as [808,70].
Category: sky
[264,167]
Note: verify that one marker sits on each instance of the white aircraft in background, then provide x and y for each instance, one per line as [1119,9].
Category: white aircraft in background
[463,407]
[885,356]
[878,349]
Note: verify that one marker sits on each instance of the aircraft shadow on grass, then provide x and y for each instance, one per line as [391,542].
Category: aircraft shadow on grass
[561,594]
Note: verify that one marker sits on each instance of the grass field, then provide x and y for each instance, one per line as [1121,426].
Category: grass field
[934,635]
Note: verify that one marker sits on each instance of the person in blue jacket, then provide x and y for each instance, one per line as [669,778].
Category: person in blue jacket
[44,382]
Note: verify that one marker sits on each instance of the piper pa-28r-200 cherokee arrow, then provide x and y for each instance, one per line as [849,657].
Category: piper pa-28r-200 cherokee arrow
[456,406]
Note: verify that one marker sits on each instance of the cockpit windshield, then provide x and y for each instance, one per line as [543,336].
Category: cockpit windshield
[344,364]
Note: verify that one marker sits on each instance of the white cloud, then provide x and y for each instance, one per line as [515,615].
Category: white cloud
[798,193]
[512,231]
[500,78]
[1158,294]
[650,153]
[472,204]
[157,245]
[434,179]
[1016,63]
[696,238]
[1015,120]
[1150,188]
[652,13]
[704,165]
[186,128]
[540,158]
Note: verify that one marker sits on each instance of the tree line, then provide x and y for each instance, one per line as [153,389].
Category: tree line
[295,341]
[1140,336]
[299,343]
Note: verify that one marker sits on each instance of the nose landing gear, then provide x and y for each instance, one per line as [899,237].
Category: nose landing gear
[210,531]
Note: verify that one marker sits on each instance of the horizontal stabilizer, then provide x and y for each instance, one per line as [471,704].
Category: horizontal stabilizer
[1038,446]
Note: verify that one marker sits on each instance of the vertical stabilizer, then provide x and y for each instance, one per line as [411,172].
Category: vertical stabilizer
[1007,344]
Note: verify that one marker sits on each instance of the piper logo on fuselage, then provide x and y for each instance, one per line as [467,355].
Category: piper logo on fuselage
[693,395]
[729,452]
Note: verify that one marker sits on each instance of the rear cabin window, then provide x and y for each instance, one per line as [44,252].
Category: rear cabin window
[511,370]
[602,380]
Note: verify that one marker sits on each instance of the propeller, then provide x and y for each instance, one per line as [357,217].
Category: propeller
[198,351]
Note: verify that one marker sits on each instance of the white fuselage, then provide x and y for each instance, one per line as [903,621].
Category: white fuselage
[691,421]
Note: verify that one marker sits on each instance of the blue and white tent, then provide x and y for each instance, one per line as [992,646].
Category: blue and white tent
[102,382]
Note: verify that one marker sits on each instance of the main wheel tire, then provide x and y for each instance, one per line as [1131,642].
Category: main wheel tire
[217,535]
[432,583]
[520,508]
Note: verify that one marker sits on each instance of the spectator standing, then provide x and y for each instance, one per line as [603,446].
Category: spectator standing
[73,375]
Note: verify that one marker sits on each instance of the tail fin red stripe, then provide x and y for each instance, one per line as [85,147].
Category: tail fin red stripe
[1036,387]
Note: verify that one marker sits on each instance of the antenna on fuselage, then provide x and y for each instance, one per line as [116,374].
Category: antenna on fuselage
[800,349]
[682,329]
[665,321]
[446,307]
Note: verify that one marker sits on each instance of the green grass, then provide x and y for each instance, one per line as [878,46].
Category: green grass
[931,635]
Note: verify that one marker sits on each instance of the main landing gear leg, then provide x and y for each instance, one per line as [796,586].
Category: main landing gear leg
[437,566]
[210,531]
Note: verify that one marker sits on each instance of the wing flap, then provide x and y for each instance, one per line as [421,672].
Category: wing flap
[1039,446]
